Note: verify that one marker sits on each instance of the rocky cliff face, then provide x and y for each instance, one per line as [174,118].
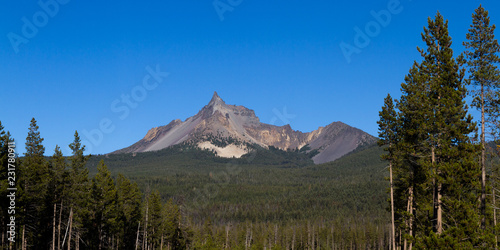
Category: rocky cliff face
[227,129]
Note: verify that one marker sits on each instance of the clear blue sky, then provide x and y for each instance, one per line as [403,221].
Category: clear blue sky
[71,72]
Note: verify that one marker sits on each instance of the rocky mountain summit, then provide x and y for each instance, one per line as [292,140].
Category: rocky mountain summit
[230,131]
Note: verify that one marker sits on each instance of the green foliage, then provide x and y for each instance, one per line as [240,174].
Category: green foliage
[436,173]
[129,210]
[482,59]
[102,222]
[349,191]
[34,172]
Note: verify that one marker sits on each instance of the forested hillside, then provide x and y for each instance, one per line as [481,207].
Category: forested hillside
[269,189]
[184,197]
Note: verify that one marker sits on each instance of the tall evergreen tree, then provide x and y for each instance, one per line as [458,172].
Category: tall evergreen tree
[174,233]
[57,186]
[442,172]
[103,209]
[410,177]
[388,137]
[35,175]
[482,58]
[79,190]
[129,209]
[156,227]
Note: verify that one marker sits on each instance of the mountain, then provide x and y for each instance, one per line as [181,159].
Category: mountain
[232,131]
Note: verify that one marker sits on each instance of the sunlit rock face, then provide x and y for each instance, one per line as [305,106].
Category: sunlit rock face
[227,129]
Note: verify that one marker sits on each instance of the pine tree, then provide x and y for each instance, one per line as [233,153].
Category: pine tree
[103,208]
[440,158]
[57,186]
[482,58]
[388,137]
[79,190]
[409,175]
[129,208]
[174,232]
[155,215]
[35,180]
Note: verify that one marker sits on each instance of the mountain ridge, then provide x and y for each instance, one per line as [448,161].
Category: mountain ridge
[229,130]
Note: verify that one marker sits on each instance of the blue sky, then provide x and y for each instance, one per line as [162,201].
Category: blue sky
[69,63]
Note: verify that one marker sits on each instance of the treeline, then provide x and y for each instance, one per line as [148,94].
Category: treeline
[336,234]
[57,205]
[440,194]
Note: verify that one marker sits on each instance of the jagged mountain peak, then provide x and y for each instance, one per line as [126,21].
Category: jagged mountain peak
[216,100]
[220,121]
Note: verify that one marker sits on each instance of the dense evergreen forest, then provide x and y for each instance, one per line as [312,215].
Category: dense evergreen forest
[431,182]
[185,197]
[441,195]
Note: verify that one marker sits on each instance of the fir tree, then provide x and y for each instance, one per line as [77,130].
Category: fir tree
[175,238]
[129,209]
[35,179]
[437,147]
[482,58]
[388,137]
[57,187]
[103,208]
[156,225]
[410,178]
[79,190]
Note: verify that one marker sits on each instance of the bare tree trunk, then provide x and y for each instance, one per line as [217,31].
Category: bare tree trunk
[407,222]
[333,242]
[246,239]
[227,237]
[70,227]
[437,201]
[137,237]
[308,235]
[59,227]
[439,211]
[483,160]
[393,235]
[411,216]
[54,228]
[251,236]
[495,218]
[23,240]
[313,238]
[146,227]
[400,236]
[275,235]
[161,242]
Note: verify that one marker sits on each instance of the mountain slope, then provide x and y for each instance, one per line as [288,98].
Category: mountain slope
[230,131]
